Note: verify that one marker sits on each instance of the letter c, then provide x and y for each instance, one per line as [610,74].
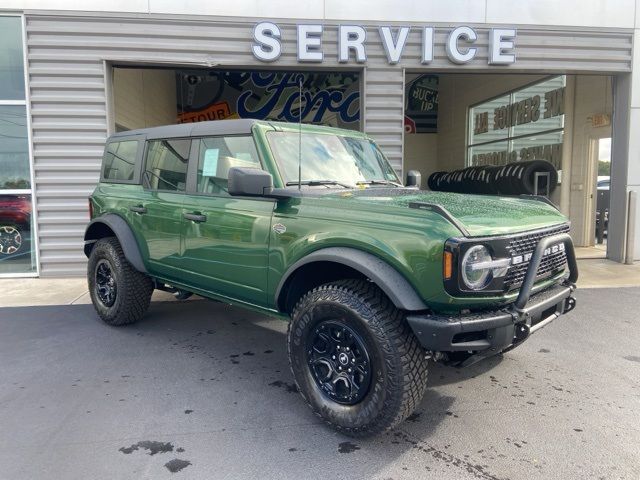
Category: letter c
[453,52]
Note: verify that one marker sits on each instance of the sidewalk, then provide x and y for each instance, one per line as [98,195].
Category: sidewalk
[602,273]
[22,292]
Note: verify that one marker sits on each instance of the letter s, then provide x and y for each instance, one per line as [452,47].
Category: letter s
[267,47]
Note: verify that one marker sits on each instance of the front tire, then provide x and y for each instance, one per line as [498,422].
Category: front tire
[120,294]
[355,359]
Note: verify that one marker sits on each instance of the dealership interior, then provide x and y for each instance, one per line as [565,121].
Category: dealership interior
[452,120]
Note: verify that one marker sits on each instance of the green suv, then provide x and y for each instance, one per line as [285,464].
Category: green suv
[312,224]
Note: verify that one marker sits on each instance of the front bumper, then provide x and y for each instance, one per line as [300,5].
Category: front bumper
[496,330]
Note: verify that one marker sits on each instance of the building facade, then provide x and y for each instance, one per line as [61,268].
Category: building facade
[439,87]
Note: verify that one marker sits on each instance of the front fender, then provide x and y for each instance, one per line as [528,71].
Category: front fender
[114,225]
[390,281]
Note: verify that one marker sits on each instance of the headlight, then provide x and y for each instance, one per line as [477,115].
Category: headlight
[477,267]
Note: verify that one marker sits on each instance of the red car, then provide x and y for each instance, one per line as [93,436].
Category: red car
[15,223]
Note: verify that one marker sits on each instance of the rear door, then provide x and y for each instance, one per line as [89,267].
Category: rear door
[226,239]
[157,213]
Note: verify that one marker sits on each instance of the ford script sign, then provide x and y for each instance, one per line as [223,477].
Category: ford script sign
[352,43]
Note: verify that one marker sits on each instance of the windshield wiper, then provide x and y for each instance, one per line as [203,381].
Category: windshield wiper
[315,183]
[378,182]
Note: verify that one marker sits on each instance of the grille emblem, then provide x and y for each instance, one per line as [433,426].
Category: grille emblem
[518,259]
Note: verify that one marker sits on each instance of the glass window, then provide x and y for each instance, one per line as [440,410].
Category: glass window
[16,234]
[540,147]
[14,148]
[348,160]
[120,161]
[17,244]
[166,165]
[540,107]
[488,121]
[217,155]
[525,124]
[496,153]
[11,59]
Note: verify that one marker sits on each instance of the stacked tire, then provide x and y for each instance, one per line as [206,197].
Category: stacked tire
[512,179]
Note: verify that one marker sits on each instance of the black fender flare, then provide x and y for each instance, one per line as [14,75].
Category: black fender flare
[123,233]
[390,281]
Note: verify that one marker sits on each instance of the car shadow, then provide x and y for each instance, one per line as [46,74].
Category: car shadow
[441,374]
[237,331]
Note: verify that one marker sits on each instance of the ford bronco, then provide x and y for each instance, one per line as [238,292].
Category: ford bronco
[312,224]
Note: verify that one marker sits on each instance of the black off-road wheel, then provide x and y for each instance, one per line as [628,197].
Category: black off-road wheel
[120,294]
[355,359]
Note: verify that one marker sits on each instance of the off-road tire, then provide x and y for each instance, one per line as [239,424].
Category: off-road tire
[134,288]
[399,376]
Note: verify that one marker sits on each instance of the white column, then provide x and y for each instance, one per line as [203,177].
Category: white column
[633,154]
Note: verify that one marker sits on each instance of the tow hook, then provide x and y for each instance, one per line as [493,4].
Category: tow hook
[521,333]
[569,304]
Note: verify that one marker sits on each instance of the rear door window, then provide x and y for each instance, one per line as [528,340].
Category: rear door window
[119,161]
[166,165]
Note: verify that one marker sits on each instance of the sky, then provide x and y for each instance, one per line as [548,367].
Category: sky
[604,149]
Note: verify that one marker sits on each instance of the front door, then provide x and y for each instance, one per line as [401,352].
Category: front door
[226,239]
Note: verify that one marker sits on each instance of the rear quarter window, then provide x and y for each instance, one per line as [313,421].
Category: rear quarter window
[119,161]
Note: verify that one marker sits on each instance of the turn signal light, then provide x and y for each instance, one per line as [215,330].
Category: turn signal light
[448,265]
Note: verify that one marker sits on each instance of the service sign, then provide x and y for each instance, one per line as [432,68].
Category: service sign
[352,43]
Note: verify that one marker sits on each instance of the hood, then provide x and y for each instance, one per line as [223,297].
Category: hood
[481,215]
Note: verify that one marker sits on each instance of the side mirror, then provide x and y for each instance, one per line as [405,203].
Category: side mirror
[414,179]
[250,182]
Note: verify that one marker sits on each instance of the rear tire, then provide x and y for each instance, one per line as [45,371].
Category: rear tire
[120,294]
[341,324]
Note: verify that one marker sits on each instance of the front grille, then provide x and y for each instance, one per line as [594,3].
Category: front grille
[526,243]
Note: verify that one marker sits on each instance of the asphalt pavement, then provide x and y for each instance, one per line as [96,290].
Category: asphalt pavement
[202,390]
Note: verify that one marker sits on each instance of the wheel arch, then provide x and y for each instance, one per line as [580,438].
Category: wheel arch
[334,263]
[112,225]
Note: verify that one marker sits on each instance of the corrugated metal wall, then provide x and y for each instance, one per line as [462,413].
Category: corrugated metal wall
[66,57]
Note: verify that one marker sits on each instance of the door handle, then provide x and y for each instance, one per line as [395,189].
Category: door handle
[138,209]
[195,217]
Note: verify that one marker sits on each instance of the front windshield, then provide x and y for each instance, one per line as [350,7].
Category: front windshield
[329,157]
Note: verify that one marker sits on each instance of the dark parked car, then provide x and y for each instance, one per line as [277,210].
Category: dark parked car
[15,223]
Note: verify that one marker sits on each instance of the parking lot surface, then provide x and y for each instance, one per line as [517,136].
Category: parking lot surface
[202,390]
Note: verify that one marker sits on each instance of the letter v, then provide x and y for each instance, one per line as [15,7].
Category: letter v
[391,48]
